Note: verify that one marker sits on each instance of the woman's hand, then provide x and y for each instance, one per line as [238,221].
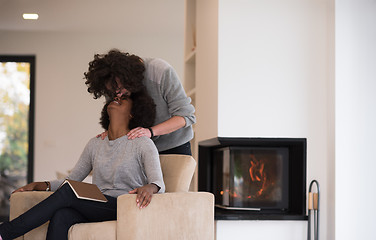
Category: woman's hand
[144,194]
[102,135]
[139,132]
[34,186]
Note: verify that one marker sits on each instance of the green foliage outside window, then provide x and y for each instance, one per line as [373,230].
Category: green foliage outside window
[14,110]
[13,156]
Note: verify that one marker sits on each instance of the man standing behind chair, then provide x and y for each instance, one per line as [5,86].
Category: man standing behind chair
[172,129]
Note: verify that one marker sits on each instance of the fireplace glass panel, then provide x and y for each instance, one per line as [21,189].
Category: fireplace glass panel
[252,178]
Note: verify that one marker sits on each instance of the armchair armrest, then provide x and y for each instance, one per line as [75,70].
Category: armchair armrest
[20,202]
[178,215]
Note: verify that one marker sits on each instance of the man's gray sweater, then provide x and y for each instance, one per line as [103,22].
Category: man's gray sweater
[165,88]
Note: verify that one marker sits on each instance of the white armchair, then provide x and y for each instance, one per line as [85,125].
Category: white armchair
[176,214]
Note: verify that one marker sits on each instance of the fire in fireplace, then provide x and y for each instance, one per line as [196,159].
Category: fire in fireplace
[250,178]
[265,175]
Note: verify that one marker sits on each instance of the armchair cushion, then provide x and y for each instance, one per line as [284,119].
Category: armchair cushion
[91,231]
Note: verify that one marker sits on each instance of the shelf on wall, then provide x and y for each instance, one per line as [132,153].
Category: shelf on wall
[191,57]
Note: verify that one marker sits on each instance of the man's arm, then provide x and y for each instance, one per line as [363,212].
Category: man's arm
[166,127]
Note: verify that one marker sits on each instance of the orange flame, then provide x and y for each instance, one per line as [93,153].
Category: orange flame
[257,174]
[258,177]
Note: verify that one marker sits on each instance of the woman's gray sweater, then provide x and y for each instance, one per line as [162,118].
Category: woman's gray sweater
[118,166]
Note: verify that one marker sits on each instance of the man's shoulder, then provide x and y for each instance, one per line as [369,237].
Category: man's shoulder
[156,68]
[159,71]
[156,63]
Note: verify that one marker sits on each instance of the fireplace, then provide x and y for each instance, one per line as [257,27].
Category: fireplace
[255,178]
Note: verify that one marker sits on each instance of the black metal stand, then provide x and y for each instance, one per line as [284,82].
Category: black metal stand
[313,208]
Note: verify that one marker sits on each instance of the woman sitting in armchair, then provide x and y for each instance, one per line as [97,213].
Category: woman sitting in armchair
[119,166]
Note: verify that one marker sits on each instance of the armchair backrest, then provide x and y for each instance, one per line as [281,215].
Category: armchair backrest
[177,171]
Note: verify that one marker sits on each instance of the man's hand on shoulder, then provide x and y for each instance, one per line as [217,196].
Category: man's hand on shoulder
[139,132]
[102,135]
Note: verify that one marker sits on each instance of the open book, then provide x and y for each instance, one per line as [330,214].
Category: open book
[86,191]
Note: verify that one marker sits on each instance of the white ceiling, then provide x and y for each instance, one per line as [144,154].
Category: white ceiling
[131,16]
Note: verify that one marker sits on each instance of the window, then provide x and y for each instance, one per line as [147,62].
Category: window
[17,80]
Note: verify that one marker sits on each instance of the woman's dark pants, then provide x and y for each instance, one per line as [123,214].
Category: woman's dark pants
[63,209]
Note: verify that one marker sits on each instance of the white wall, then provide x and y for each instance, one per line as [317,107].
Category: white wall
[274,81]
[355,119]
[66,115]
[260,230]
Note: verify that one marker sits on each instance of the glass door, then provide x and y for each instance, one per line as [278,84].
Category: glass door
[17,79]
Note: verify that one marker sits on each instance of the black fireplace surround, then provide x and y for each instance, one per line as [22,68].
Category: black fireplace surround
[254,178]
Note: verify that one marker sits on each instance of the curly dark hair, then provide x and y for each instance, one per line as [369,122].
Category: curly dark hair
[105,68]
[143,111]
